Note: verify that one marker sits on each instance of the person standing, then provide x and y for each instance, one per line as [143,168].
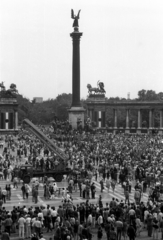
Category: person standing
[99,233]
[119,226]
[28,226]
[93,190]
[155,228]
[27,190]
[8,224]
[35,194]
[23,191]
[108,184]
[8,189]
[102,185]
[131,232]
[5,235]
[4,193]
[149,225]
[126,193]
[21,223]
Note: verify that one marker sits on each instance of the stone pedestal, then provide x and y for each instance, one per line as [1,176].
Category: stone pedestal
[160,131]
[138,130]
[76,113]
[127,130]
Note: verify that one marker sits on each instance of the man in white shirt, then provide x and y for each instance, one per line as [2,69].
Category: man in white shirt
[90,219]
[37,226]
[21,223]
[28,226]
[100,220]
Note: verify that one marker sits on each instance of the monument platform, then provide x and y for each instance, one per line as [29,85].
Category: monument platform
[76,113]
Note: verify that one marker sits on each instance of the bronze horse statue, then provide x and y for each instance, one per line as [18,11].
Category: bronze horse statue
[98,89]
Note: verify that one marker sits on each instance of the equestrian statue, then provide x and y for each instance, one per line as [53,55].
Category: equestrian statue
[99,89]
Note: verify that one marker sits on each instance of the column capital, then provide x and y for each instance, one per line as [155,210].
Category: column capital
[76,35]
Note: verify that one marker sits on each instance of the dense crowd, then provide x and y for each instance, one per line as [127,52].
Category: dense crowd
[129,160]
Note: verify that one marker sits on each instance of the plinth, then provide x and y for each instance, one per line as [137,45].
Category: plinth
[76,113]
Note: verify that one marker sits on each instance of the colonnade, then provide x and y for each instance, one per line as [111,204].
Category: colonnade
[139,125]
[8,120]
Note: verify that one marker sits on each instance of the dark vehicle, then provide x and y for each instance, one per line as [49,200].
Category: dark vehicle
[26,172]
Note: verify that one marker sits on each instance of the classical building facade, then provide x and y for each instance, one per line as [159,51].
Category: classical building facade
[8,113]
[97,106]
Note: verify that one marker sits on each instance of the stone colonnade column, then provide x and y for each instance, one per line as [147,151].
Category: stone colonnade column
[91,114]
[150,118]
[161,118]
[16,120]
[139,121]
[127,121]
[161,122]
[115,120]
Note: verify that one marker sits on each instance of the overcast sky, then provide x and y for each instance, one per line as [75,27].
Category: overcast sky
[122,45]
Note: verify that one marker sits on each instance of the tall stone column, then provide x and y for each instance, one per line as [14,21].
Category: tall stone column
[115,119]
[161,122]
[76,112]
[139,121]
[127,121]
[76,68]
[150,118]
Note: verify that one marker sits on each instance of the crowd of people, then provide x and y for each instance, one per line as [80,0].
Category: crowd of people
[130,160]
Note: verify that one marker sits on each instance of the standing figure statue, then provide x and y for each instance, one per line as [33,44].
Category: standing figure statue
[2,86]
[101,86]
[75,23]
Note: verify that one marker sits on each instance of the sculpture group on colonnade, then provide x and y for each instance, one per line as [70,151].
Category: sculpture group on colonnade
[98,89]
[12,90]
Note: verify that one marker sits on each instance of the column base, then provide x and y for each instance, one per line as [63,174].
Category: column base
[160,131]
[115,130]
[127,130]
[138,130]
[74,114]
